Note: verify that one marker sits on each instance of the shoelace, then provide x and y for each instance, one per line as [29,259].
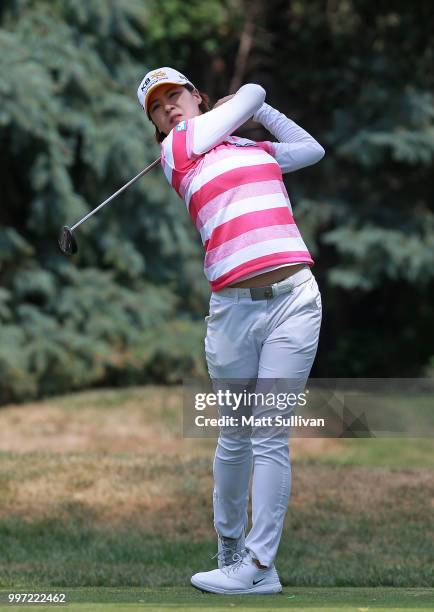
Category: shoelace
[236,557]
[222,555]
[219,555]
[226,549]
[239,560]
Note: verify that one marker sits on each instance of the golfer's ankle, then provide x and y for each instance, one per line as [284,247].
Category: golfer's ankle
[258,565]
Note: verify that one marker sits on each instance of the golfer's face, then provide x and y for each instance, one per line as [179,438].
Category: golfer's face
[170,104]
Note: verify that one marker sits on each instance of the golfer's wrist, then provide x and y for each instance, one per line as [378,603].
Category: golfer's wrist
[262,112]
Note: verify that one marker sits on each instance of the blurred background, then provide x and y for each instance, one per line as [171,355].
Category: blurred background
[129,308]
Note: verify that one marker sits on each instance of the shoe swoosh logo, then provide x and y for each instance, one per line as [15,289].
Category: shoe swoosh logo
[255,582]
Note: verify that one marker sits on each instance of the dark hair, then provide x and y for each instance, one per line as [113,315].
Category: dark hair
[204,107]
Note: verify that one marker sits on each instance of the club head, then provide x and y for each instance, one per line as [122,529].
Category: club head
[67,242]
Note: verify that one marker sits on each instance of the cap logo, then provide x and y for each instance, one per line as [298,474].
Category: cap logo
[154,78]
[159,73]
[145,84]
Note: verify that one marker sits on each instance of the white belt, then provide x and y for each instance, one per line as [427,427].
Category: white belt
[264,293]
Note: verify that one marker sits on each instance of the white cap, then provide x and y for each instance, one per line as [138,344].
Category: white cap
[158,77]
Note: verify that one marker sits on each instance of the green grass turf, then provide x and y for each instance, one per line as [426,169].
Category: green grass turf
[360,513]
[187,598]
[393,453]
[316,549]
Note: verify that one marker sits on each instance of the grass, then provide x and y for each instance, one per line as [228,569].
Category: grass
[100,490]
[392,453]
[182,598]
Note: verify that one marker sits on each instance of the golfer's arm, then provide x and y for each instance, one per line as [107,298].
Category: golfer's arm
[296,147]
[211,128]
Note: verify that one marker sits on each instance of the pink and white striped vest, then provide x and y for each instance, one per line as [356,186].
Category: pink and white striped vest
[237,199]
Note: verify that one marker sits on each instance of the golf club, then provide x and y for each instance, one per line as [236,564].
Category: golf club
[67,242]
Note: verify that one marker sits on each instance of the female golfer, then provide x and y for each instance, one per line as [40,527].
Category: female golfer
[265,307]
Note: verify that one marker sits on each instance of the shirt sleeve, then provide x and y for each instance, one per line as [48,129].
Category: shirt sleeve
[192,138]
[296,147]
[211,128]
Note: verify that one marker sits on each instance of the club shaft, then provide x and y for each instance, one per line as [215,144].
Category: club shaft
[133,180]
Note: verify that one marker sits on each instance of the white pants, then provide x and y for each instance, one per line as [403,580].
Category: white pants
[274,338]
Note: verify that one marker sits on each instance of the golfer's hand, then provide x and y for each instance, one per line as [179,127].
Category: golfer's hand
[223,100]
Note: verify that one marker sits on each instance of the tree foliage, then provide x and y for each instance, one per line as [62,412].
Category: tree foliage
[72,133]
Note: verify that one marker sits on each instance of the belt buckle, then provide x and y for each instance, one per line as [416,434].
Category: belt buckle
[261,293]
[285,286]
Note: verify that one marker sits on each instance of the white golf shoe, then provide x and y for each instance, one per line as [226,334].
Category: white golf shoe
[240,578]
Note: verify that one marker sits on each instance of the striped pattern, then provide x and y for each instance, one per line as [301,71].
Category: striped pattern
[235,196]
